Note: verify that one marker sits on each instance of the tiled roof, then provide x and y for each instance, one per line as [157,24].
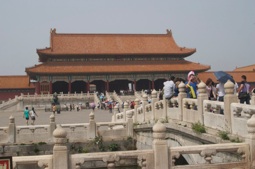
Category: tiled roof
[236,75]
[15,82]
[246,68]
[116,67]
[89,44]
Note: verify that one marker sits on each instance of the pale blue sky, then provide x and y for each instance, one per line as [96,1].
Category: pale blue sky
[222,31]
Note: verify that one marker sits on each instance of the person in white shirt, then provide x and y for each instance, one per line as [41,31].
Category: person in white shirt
[32,115]
[220,91]
[169,88]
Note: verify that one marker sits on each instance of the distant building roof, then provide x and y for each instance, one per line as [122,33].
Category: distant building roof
[246,68]
[114,44]
[15,82]
[116,67]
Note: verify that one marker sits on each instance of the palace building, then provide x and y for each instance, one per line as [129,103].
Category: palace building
[110,62]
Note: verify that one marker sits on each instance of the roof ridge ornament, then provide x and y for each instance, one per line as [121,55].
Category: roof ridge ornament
[53,30]
[169,32]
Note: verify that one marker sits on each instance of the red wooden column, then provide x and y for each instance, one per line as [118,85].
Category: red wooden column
[134,87]
[69,86]
[50,87]
[152,84]
[107,86]
[87,87]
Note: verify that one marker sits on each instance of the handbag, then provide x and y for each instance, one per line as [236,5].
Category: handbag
[243,95]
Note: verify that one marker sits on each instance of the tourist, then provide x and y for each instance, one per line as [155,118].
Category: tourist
[177,81]
[26,115]
[243,91]
[168,88]
[210,89]
[220,91]
[191,85]
[110,107]
[32,115]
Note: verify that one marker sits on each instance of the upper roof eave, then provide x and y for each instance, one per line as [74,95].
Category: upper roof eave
[113,44]
[116,67]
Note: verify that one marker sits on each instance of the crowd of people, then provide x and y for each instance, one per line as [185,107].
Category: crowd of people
[215,91]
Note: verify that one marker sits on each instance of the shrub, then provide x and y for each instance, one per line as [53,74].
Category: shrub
[236,140]
[113,147]
[198,127]
[223,135]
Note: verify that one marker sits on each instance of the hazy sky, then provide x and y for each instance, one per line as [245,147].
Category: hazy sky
[222,31]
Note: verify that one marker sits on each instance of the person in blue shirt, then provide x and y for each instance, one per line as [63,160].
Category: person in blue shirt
[191,85]
[26,115]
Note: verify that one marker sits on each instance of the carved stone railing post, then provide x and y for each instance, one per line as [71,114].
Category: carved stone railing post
[145,102]
[137,103]
[153,100]
[52,127]
[202,95]
[229,98]
[161,153]
[250,139]
[12,130]
[125,111]
[115,112]
[253,99]
[130,124]
[141,161]
[182,94]
[92,126]
[60,151]
[165,107]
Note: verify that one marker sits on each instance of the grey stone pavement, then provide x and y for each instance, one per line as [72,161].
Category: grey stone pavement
[65,117]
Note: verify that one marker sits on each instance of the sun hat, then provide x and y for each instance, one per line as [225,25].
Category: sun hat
[191,73]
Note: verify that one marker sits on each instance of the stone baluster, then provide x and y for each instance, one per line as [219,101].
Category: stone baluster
[52,127]
[229,98]
[125,111]
[130,124]
[12,130]
[60,150]
[110,160]
[202,95]
[182,94]
[153,100]
[137,102]
[145,102]
[161,150]
[92,126]
[253,99]
[142,162]
[250,139]
[115,112]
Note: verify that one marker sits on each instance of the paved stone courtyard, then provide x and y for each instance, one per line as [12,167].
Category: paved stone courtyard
[65,117]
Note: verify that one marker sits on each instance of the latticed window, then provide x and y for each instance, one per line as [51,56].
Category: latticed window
[45,87]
